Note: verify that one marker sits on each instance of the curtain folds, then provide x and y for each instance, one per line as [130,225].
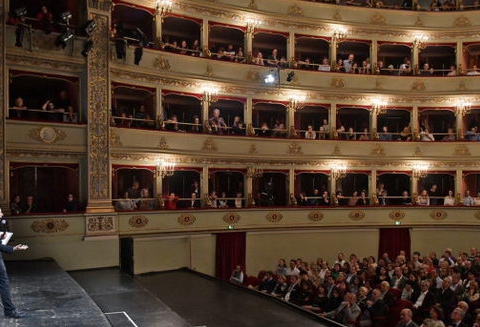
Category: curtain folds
[230,251]
[394,240]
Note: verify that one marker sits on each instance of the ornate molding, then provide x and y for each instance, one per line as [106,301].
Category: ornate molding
[418,86]
[337,83]
[417,152]
[138,221]
[462,86]
[315,215]
[378,150]
[378,19]
[47,134]
[477,215]
[274,216]
[462,21]
[337,16]
[397,215]
[186,219]
[356,215]
[208,71]
[59,64]
[231,218]
[209,145]
[100,224]
[418,22]
[115,139]
[161,63]
[295,10]
[253,76]
[462,150]
[252,149]
[294,149]
[438,214]
[49,225]
[104,5]
[336,151]
[252,5]
[163,143]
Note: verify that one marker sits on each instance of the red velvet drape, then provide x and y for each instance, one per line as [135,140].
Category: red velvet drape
[230,251]
[393,240]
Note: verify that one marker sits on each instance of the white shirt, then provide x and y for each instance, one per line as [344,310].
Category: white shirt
[420,299]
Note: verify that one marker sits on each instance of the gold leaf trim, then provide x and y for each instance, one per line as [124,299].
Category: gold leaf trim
[462,21]
[337,83]
[378,19]
[163,143]
[100,224]
[378,150]
[186,219]
[462,150]
[209,145]
[315,215]
[356,215]
[49,225]
[231,217]
[274,216]
[294,149]
[477,215]
[337,16]
[295,10]
[161,63]
[48,135]
[438,214]
[138,221]
[418,86]
[115,139]
[397,215]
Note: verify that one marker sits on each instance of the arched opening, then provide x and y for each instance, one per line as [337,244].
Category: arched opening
[352,122]
[269,119]
[310,51]
[182,112]
[271,189]
[131,21]
[228,184]
[266,42]
[351,187]
[315,116]
[471,186]
[471,58]
[444,182]
[394,184]
[440,57]
[397,124]
[133,106]
[470,125]
[310,188]
[232,113]
[177,30]
[440,122]
[226,42]
[133,187]
[392,54]
[360,49]
[181,185]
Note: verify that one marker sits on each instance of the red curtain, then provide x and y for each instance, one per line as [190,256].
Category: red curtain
[230,251]
[394,240]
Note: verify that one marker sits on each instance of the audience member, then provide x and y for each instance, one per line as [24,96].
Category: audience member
[16,207]
[30,205]
[71,204]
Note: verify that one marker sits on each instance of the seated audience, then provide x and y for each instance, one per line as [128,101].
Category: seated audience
[449,199]
[310,133]
[16,207]
[467,199]
[237,275]
[145,202]
[126,203]
[30,205]
[71,204]
[171,201]
[423,199]
[425,135]
[217,124]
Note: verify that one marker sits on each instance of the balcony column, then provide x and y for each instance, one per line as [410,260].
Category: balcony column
[459,183]
[333,51]
[291,184]
[100,216]
[159,187]
[291,47]
[373,124]
[373,55]
[414,122]
[4,203]
[416,55]
[459,125]
[413,187]
[205,109]
[290,123]
[158,113]
[249,191]
[157,29]
[204,31]
[248,44]
[332,119]
[373,184]
[247,114]
[459,58]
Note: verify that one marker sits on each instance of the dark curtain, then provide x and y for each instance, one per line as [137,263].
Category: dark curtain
[393,240]
[230,251]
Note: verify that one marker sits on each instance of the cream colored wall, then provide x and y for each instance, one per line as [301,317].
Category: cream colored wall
[426,239]
[174,252]
[71,252]
[265,248]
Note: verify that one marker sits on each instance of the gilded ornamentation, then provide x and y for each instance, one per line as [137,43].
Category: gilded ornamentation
[462,21]
[418,22]
[115,139]
[45,63]
[356,215]
[208,71]
[252,4]
[294,149]
[378,84]
[337,83]
[378,150]
[295,10]
[462,150]
[274,216]
[100,224]
[438,214]
[161,63]
[462,86]
[209,145]
[98,111]
[417,152]
[49,225]
[336,151]
[186,219]
[477,215]
[252,149]
[231,218]
[315,215]
[105,5]
[163,143]
[378,19]
[418,86]
[138,221]
[48,135]
[253,76]
[337,16]
[397,215]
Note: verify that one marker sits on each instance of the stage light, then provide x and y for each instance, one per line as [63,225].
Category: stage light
[290,76]
[87,47]
[138,55]
[63,38]
[21,12]
[90,27]
[65,16]
[121,48]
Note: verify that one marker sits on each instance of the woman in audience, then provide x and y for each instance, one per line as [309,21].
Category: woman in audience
[449,199]
[259,59]
[16,207]
[18,105]
[365,135]
[310,133]
[423,198]
[363,200]
[325,65]
[472,295]
[353,200]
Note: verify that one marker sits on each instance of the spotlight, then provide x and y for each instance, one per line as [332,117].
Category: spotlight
[63,38]
[87,47]
[271,77]
[290,76]
[138,55]
[21,12]
[121,48]
[90,26]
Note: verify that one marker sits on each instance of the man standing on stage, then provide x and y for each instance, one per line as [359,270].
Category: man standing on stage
[8,307]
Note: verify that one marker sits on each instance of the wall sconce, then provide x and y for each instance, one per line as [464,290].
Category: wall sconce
[419,41]
[210,95]
[463,107]
[339,33]
[252,25]
[254,172]
[296,101]
[163,8]
[338,172]
[165,168]
[379,106]
[420,170]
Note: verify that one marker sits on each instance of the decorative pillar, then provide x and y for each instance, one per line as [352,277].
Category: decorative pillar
[373,55]
[332,119]
[459,58]
[291,182]
[373,184]
[414,122]
[459,183]
[249,43]
[100,216]
[204,182]
[373,123]
[291,46]
[3,144]
[414,187]
[416,55]
[333,51]
[204,35]
[157,28]
[459,125]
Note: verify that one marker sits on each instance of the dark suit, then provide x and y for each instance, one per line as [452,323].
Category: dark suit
[423,311]
[378,313]
[447,300]
[8,306]
[409,324]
